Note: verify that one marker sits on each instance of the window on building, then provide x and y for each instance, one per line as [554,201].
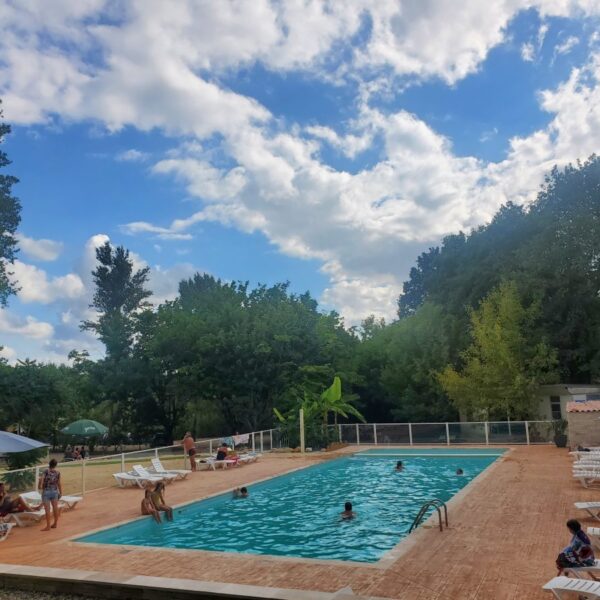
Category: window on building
[555,407]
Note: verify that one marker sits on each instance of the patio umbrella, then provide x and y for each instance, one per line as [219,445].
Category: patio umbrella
[11,442]
[85,428]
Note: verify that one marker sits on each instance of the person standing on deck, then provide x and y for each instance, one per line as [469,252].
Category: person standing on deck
[189,445]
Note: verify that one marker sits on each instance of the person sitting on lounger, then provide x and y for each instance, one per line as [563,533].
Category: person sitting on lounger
[148,506]
[158,500]
[579,552]
[240,492]
[8,504]
[399,466]
[222,452]
[347,513]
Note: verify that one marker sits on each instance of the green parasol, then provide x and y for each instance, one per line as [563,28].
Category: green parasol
[85,428]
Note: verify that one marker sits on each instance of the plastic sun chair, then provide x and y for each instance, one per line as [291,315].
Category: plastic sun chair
[564,585]
[593,570]
[143,472]
[124,479]
[35,499]
[592,509]
[587,477]
[5,530]
[23,519]
[159,469]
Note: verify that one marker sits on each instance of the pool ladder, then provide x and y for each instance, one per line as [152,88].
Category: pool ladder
[437,504]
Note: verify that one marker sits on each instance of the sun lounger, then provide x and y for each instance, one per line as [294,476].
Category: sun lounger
[564,585]
[592,508]
[158,468]
[23,519]
[594,535]
[5,530]
[35,499]
[587,477]
[125,479]
[593,570]
[213,463]
[143,472]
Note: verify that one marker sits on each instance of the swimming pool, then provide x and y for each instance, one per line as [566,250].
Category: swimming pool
[298,514]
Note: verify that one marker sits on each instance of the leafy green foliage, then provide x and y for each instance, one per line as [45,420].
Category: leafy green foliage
[505,364]
[10,217]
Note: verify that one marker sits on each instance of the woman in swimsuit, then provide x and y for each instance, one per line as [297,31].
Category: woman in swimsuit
[158,500]
[148,506]
[51,487]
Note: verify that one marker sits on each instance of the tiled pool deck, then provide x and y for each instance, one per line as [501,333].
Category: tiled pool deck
[506,529]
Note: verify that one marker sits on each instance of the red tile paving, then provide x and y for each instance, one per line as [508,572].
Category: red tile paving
[506,529]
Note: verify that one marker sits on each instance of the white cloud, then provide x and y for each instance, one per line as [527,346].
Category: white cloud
[42,249]
[28,327]
[527,52]
[132,155]
[8,353]
[566,46]
[36,286]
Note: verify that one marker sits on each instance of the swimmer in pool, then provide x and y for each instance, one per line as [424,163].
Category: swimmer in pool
[348,513]
[240,492]
[399,466]
[460,472]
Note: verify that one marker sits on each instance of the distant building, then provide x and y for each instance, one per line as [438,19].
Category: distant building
[584,423]
[554,398]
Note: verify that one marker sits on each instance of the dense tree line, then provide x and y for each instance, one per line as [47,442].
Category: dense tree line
[484,319]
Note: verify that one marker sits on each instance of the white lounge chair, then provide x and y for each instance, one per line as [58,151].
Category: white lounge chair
[587,477]
[159,469]
[143,472]
[125,479]
[213,463]
[563,585]
[593,570]
[23,519]
[592,509]
[35,499]
[5,530]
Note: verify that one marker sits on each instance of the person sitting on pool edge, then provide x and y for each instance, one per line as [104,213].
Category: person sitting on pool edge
[348,513]
[399,466]
[158,500]
[240,492]
[148,506]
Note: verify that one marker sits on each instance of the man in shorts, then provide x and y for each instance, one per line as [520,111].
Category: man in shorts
[189,445]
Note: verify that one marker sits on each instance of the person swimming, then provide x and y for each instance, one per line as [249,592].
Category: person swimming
[460,472]
[240,492]
[399,466]
[348,513]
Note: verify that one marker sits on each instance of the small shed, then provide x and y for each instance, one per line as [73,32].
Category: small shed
[584,423]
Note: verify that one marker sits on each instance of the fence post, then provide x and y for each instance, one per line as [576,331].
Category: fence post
[487,433]
[527,431]
[261,440]
[122,462]
[447,434]
[301,431]
[253,443]
[210,446]
[410,433]
[155,452]
[37,479]
[340,431]
[357,435]
[375,433]
[83,477]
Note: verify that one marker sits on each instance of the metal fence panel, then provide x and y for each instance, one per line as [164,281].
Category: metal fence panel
[507,432]
[429,433]
[466,433]
[393,433]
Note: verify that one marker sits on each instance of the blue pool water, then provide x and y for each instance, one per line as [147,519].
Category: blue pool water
[298,514]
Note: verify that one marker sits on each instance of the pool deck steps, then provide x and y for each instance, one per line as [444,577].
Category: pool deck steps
[99,584]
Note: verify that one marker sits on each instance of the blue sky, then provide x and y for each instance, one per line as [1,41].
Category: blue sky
[274,141]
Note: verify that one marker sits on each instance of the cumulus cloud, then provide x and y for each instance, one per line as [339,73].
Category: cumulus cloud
[527,52]
[132,155]
[36,286]
[28,326]
[42,249]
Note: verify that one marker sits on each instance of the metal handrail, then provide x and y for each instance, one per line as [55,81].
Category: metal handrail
[435,503]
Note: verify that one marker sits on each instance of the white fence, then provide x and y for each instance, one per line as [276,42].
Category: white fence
[480,432]
[81,476]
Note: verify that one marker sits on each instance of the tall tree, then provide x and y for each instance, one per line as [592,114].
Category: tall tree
[504,365]
[10,217]
[119,299]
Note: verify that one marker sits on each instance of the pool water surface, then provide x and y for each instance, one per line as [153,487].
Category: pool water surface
[298,514]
